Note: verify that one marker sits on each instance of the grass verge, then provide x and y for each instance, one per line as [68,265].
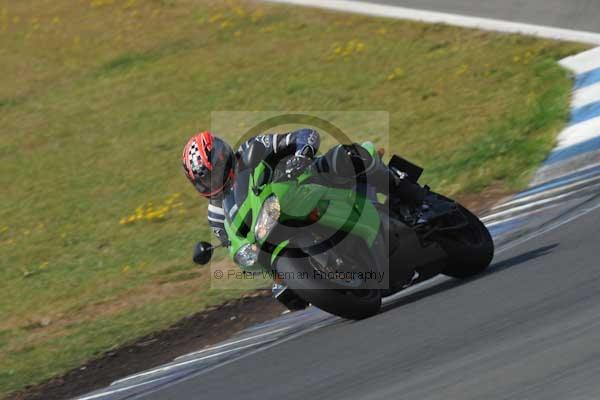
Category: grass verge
[98,96]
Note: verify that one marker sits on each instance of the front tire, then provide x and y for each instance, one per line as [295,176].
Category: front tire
[354,304]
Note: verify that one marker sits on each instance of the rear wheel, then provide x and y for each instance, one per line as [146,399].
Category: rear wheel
[470,249]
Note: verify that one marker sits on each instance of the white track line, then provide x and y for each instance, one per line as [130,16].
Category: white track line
[546,193]
[244,355]
[128,378]
[119,390]
[389,11]
[528,205]
[192,361]
[522,215]
[524,207]
[550,228]
[235,342]
[293,336]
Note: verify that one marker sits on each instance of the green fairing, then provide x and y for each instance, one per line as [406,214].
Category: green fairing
[340,209]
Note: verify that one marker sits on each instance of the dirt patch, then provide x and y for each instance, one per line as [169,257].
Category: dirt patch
[190,334]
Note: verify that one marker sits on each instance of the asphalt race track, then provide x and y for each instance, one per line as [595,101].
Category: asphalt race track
[571,14]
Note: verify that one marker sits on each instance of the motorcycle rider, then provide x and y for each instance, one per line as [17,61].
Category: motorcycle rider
[210,164]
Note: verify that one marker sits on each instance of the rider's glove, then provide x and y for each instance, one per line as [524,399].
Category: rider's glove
[295,165]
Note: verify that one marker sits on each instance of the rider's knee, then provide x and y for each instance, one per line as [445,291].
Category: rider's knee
[349,160]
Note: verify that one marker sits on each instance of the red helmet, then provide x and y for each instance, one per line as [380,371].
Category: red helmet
[209,163]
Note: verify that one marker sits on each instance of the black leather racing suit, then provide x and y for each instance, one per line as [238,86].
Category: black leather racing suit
[303,142]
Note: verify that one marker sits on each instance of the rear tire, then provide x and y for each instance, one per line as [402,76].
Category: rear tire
[470,249]
[350,303]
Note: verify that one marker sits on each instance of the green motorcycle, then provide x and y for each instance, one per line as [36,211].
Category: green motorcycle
[343,249]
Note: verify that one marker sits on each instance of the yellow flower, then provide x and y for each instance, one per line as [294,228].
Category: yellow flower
[462,69]
[215,18]
[257,16]
[239,11]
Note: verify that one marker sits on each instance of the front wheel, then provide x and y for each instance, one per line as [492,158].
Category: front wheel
[351,303]
[470,249]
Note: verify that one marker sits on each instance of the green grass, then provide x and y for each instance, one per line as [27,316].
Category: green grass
[97,98]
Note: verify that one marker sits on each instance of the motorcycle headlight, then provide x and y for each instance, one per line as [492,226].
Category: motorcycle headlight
[267,218]
[247,255]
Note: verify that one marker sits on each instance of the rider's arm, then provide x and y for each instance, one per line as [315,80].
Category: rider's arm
[216,220]
[304,142]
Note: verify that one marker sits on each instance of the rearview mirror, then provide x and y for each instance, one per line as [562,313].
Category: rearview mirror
[255,154]
[203,253]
